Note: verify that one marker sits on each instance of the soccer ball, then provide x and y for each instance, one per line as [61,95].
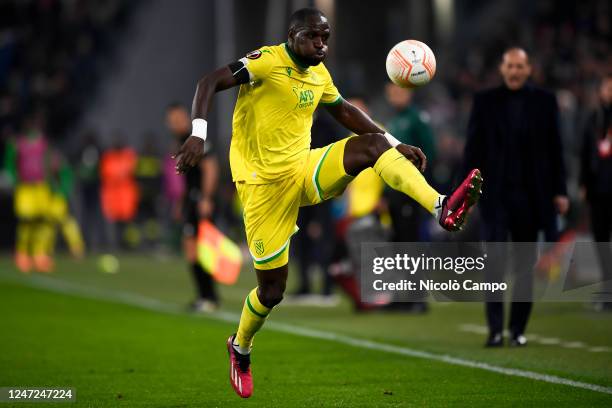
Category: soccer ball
[411,64]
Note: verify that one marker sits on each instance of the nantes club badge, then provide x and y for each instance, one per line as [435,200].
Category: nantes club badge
[259,247]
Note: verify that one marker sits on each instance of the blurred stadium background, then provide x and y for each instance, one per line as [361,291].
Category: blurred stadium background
[95,74]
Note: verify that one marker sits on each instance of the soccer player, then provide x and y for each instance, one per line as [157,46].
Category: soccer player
[276,172]
[58,208]
[26,163]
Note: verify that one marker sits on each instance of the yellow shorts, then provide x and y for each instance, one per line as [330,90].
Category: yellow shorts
[58,207]
[271,210]
[32,200]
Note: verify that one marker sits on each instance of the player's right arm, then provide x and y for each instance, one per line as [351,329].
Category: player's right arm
[192,150]
[255,66]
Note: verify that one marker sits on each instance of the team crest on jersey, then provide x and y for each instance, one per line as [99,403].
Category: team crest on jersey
[259,247]
[254,54]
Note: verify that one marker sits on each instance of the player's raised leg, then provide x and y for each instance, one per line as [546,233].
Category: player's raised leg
[395,166]
[257,305]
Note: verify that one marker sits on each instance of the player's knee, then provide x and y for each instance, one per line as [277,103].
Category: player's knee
[376,144]
[270,295]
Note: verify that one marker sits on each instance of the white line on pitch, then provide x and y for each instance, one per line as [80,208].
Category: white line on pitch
[144,302]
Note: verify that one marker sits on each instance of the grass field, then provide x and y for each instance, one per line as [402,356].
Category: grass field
[124,340]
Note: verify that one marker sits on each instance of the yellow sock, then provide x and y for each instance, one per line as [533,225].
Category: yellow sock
[253,316]
[43,238]
[24,234]
[400,174]
[72,235]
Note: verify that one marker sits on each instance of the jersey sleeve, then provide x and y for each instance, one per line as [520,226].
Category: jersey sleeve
[259,63]
[330,96]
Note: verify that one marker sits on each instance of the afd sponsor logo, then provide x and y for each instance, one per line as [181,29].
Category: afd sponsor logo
[305,98]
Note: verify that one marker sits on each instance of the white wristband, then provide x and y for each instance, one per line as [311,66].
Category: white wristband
[393,141]
[199,127]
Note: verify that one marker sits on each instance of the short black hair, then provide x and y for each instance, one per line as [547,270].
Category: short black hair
[299,17]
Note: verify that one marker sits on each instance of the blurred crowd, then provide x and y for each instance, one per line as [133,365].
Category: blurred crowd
[51,58]
[570,48]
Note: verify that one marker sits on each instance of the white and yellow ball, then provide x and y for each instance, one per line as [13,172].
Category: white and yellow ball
[411,64]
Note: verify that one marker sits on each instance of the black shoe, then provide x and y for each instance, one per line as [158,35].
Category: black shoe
[495,340]
[518,340]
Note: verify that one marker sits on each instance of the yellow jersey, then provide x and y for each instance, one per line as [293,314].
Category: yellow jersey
[273,115]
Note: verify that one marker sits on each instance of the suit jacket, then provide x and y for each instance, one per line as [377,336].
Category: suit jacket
[487,132]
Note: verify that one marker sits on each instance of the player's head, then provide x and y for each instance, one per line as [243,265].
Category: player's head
[398,97]
[177,119]
[605,89]
[515,68]
[308,34]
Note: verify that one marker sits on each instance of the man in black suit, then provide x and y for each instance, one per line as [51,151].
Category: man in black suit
[513,137]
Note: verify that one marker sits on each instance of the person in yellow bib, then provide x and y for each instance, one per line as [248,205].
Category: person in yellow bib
[26,164]
[276,172]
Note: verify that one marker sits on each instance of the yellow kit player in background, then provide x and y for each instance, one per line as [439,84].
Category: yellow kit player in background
[58,209]
[26,164]
[43,181]
[276,172]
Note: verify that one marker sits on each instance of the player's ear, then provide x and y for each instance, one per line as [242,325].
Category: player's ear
[291,36]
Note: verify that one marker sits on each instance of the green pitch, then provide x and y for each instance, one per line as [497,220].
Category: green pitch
[123,340]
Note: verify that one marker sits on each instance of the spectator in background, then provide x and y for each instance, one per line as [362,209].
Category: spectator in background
[316,225]
[61,182]
[357,222]
[513,137]
[119,192]
[88,178]
[198,204]
[596,181]
[409,126]
[149,177]
[173,191]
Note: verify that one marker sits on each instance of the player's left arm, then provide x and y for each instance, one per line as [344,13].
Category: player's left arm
[358,122]
[353,118]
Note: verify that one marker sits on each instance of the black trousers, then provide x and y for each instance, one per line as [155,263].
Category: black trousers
[406,217]
[204,282]
[518,228]
[312,246]
[601,224]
